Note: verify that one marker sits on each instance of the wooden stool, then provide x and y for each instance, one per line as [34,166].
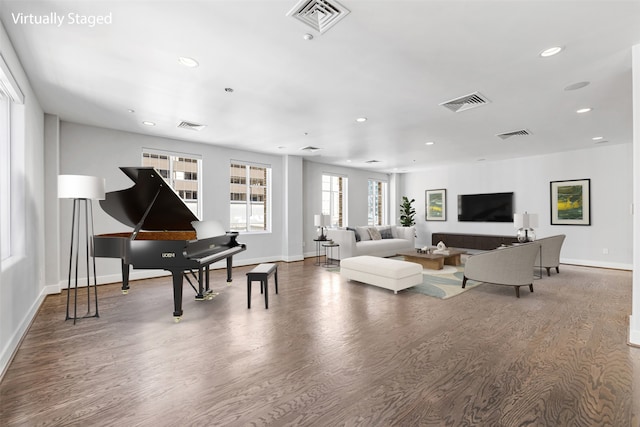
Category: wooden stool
[261,273]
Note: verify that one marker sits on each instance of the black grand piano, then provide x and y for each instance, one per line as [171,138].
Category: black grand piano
[168,241]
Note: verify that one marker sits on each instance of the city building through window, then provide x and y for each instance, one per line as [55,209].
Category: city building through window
[181,172]
[334,199]
[249,199]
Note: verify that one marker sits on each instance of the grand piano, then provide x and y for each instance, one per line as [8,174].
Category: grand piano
[162,236]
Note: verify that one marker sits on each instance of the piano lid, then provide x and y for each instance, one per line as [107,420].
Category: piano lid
[151,204]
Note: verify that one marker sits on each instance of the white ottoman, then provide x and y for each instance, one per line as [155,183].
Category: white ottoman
[383,272]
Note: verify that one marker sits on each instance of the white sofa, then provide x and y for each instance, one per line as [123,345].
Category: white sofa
[398,239]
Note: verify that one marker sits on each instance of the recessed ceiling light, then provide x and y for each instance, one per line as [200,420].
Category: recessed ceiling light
[188,62]
[597,138]
[584,110]
[361,119]
[429,143]
[576,86]
[551,51]
[146,123]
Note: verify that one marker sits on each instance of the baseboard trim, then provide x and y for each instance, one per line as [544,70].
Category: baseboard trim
[598,264]
[150,274]
[13,344]
[634,334]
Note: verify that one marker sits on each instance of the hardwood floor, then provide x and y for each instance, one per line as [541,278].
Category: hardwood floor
[329,352]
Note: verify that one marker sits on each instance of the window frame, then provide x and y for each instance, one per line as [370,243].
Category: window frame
[248,183]
[172,157]
[5,178]
[377,215]
[12,200]
[338,216]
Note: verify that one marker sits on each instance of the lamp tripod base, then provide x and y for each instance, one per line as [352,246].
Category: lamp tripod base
[74,255]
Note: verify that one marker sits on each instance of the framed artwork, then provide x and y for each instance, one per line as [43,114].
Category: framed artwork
[435,205]
[571,202]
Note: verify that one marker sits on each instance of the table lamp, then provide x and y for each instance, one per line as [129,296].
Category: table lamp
[525,223]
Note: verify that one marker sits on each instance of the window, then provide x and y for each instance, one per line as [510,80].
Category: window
[249,197]
[334,199]
[12,147]
[377,202]
[5,178]
[181,173]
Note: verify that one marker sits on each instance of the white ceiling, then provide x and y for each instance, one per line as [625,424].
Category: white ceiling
[391,61]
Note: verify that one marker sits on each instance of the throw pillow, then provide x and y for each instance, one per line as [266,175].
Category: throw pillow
[355,232]
[374,233]
[385,233]
[364,233]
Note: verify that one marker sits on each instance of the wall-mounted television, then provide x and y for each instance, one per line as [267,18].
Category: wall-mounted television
[490,207]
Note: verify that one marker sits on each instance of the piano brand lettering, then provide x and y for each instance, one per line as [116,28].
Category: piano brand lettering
[58,20]
[168,254]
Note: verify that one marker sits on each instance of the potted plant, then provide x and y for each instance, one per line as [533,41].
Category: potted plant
[407,212]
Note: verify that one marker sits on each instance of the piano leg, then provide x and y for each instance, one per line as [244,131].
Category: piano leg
[177,294]
[200,293]
[125,278]
[229,268]
[204,292]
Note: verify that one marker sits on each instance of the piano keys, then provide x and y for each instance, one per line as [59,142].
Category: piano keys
[162,236]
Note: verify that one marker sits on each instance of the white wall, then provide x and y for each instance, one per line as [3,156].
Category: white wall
[22,278]
[608,166]
[634,321]
[357,196]
[89,150]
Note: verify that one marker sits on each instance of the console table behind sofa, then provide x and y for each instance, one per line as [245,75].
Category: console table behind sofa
[472,241]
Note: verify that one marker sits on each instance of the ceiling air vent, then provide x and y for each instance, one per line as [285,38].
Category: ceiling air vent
[319,14]
[521,132]
[310,149]
[473,100]
[191,125]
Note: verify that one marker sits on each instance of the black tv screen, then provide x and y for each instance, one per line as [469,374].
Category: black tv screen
[491,207]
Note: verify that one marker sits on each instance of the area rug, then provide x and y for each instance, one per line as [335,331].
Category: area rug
[442,284]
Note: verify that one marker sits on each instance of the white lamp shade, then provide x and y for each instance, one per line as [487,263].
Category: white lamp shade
[518,221]
[80,187]
[525,220]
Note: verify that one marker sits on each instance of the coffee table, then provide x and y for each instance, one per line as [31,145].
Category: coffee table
[433,261]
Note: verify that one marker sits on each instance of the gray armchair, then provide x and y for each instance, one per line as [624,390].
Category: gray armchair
[549,256]
[509,266]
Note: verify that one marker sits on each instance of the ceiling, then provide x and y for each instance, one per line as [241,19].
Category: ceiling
[393,62]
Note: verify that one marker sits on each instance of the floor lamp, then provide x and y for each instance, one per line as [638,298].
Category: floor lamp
[82,189]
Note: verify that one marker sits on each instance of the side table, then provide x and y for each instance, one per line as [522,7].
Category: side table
[319,244]
[328,254]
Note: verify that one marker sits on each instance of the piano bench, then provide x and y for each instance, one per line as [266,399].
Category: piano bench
[261,273]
